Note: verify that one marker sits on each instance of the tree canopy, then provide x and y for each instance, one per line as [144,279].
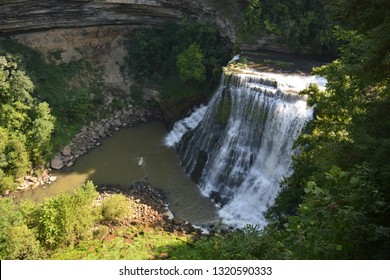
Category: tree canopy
[26,124]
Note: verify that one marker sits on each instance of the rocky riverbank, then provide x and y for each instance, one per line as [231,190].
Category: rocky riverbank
[151,208]
[89,137]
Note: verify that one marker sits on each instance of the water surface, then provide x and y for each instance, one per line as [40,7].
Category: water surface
[136,154]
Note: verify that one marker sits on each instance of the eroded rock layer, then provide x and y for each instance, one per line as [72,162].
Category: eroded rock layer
[18,16]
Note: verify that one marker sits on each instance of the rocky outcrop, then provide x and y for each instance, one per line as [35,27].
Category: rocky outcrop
[18,16]
[152,210]
[150,205]
[27,16]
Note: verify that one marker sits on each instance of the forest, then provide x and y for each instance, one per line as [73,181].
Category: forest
[335,205]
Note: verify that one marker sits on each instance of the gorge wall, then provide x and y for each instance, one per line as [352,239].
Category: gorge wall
[18,16]
[97,30]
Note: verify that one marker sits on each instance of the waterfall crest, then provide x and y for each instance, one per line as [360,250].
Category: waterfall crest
[238,148]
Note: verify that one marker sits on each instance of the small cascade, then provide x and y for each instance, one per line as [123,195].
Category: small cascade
[238,148]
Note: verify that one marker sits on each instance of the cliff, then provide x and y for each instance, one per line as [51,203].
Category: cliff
[20,16]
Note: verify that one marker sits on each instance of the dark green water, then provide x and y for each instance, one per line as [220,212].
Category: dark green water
[131,155]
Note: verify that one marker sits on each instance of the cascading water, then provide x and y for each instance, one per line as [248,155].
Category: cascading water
[238,148]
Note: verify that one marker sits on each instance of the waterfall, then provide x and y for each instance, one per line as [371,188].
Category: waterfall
[238,148]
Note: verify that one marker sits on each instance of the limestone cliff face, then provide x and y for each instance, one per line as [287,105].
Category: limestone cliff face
[20,16]
[97,31]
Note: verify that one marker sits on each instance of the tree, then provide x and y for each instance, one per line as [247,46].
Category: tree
[344,214]
[26,125]
[339,218]
[190,64]
[66,219]
[17,241]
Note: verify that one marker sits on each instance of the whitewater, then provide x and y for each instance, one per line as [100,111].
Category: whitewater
[239,146]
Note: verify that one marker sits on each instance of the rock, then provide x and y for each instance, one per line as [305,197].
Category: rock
[34,179]
[93,135]
[102,131]
[56,162]
[118,122]
[23,186]
[28,177]
[53,178]
[70,164]
[45,176]
[67,151]
[65,159]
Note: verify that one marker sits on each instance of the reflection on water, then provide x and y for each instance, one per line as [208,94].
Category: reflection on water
[131,155]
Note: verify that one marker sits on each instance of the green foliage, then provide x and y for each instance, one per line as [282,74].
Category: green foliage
[130,243]
[192,50]
[17,241]
[68,226]
[79,106]
[370,21]
[252,15]
[72,90]
[39,135]
[66,219]
[247,244]
[190,65]
[145,42]
[340,218]
[343,214]
[26,125]
[116,208]
[136,93]
[297,24]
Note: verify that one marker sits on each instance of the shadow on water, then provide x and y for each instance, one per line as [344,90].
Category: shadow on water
[131,155]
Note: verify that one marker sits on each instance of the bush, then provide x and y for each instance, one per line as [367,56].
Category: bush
[26,124]
[116,208]
[190,65]
[79,106]
[17,241]
[68,218]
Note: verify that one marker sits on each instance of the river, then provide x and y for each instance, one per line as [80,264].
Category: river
[136,154]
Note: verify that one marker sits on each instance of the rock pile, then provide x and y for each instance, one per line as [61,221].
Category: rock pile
[36,178]
[151,208]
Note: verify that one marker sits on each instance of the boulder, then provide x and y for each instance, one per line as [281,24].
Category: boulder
[102,131]
[118,122]
[52,178]
[66,151]
[56,162]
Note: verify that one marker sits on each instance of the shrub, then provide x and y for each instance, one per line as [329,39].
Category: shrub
[116,208]
[17,241]
[68,218]
[190,64]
